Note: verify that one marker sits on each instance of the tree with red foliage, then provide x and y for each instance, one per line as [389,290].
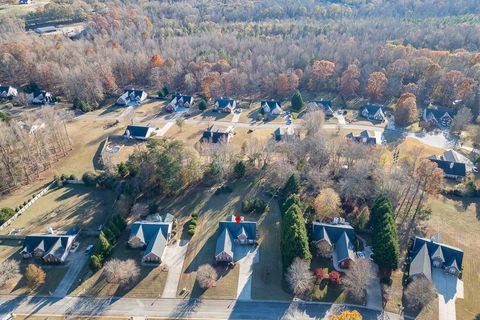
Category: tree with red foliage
[319,274]
[334,278]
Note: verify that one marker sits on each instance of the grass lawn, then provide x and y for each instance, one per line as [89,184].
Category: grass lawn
[18,286]
[411,146]
[458,224]
[73,205]
[150,283]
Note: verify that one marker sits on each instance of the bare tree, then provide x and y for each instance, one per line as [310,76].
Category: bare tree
[9,269]
[324,249]
[35,276]
[313,121]
[300,278]
[419,293]
[357,278]
[121,272]
[206,276]
[461,119]
[180,122]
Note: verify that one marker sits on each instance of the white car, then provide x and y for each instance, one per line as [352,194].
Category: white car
[361,254]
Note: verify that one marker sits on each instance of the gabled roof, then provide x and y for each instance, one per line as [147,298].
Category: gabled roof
[363,137]
[344,247]
[134,93]
[153,234]
[451,255]
[217,134]
[421,263]
[137,131]
[451,155]
[372,108]
[272,104]
[223,102]
[229,230]
[438,254]
[438,112]
[224,243]
[451,168]
[54,244]
[185,99]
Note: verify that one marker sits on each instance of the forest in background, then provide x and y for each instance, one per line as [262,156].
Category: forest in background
[368,49]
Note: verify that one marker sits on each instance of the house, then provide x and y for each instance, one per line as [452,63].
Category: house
[285,134]
[52,247]
[325,105]
[439,116]
[138,132]
[271,107]
[373,112]
[132,97]
[340,237]
[47,29]
[215,134]
[364,137]
[451,170]
[225,105]
[427,254]
[232,233]
[41,97]
[151,236]
[179,101]
[25,2]
[7,92]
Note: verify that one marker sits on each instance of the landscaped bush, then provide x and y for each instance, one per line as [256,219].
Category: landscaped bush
[162,93]
[95,263]
[224,190]
[111,237]
[81,105]
[334,278]
[192,225]
[254,206]
[202,105]
[5,214]
[89,178]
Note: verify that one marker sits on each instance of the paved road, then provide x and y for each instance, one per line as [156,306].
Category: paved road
[166,308]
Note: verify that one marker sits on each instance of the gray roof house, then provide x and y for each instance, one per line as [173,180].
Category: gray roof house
[225,105]
[50,247]
[232,233]
[216,134]
[138,132]
[271,107]
[7,92]
[450,166]
[439,116]
[325,105]
[131,97]
[341,237]
[364,137]
[284,134]
[373,112]
[41,97]
[179,101]
[153,237]
[427,254]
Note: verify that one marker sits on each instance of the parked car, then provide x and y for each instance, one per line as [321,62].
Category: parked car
[361,254]
[89,249]
[74,247]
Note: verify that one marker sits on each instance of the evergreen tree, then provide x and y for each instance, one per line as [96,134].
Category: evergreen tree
[202,105]
[297,101]
[109,235]
[103,248]
[294,237]
[291,200]
[292,186]
[384,234]
[239,169]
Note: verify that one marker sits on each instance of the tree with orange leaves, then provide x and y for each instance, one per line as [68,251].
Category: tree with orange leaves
[156,61]
[377,82]
[349,82]
[406,111]
[347,315]
[322,71]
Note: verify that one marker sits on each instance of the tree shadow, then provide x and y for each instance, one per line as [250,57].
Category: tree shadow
[185,309]
[109,109]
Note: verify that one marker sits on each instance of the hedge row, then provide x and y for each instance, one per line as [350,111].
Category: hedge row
[106,241]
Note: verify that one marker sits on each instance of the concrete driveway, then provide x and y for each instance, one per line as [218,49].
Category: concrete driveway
[76,261]
[174,258]
[449,288]
[246,257]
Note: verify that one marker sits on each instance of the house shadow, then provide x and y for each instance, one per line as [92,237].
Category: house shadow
[90,306]
[109,109]
[216,115]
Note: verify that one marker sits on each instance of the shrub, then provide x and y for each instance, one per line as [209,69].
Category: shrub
[95,262]
[111,237]
[152,208]
[120,222]
[9,269]
[202,106]
[162,93]
[5,214]
[89,178]
[103,247]
[35,276]
[58,181]
[294,115]
[253,206]
[191,232]
[81,105]
[193,222]
[195,215]
[113,228]
[72,177]
[239,169]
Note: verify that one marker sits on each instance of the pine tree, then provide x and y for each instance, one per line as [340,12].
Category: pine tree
[294,237]
[202,105]
[239,169]
[384,234]
[297,101]
[292,186]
